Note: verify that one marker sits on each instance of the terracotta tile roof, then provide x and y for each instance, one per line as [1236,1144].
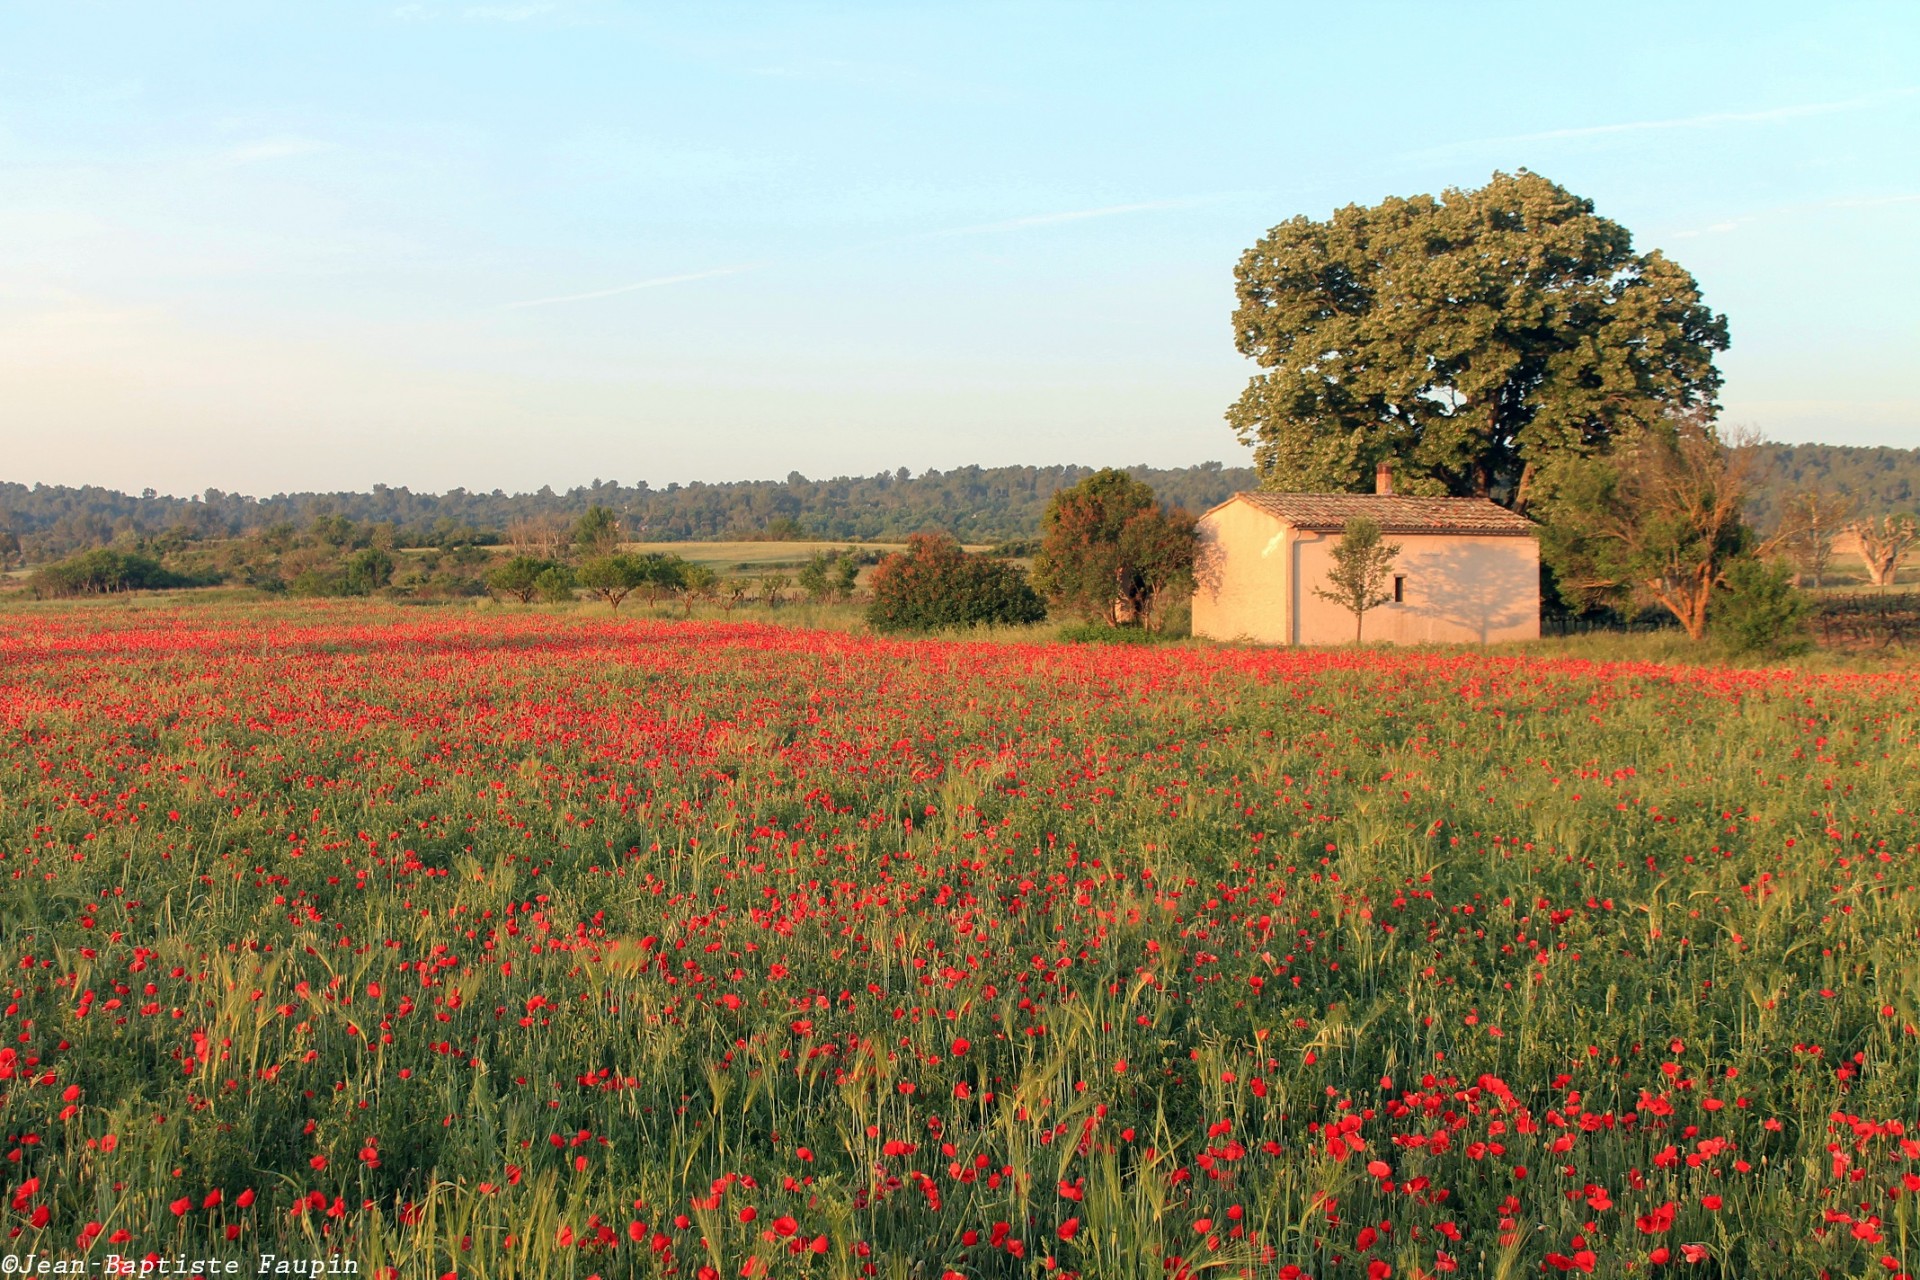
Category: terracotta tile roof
[1394,513]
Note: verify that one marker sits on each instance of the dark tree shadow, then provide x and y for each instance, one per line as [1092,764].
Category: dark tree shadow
[1475,588]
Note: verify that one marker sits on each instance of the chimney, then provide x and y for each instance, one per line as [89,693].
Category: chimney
[1383,477]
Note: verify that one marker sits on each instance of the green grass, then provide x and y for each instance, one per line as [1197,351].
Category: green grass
[588,921]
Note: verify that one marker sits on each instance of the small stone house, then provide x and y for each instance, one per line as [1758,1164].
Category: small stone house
[1468,570]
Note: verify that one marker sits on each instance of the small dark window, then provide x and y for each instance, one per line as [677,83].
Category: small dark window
[1399,588]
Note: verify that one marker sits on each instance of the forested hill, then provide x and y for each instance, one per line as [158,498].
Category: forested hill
[1880,481]
[979,504]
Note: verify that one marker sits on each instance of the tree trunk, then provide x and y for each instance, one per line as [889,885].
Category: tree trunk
[1696,620]
[1687,603]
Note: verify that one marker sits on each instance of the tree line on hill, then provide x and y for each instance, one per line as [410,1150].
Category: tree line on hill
[975,504]
[41,523]
[1110,553]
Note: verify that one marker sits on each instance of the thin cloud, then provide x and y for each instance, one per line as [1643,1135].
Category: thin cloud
[473,13]
[272,149]
[1871,202]
[656,282]
[1789,210]
[505,12]
[1709,120]
[1070,215]
[981,228]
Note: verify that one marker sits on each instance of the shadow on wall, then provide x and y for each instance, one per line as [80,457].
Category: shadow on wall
[1478,590]
[1209,565]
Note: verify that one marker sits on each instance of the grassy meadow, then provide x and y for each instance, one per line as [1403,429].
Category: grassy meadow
[554,943]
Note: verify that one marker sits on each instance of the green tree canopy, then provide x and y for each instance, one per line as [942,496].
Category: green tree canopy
[101,571]
[518,577]
[1470,339]
[1107,549]
[597,533]
[366,571]
[613,578]
[697,582]
[1657,522]
[662,573]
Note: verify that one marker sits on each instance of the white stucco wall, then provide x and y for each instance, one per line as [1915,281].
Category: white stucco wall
[1257,574]
[1241,587]
[1459,589]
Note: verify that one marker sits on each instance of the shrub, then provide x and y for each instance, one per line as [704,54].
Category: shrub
[612,578]
[1106,633]
[519,577]
[934,584]
[104,570]
[556,584]
[317,582]
[829,575]
[366,571]
[1760,611]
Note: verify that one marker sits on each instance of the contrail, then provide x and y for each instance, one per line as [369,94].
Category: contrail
[1071,215]
[635,287]
[1705,121]
[982,228]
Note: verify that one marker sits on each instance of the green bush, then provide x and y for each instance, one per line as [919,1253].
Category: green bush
[1107,633]
[366,571]
[105,570]
[613,578]
[520,577]
[1760,611]
[829,575]
[556,584]
[317,582]
[934,584]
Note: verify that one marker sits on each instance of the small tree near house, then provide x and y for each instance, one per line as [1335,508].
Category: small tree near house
[1362,574]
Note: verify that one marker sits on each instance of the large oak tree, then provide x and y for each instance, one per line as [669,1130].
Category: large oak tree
[1469,339]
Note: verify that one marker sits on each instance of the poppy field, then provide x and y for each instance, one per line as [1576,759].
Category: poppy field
[521,945]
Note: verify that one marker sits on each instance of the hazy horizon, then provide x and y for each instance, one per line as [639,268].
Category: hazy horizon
[511,490]
[501,246]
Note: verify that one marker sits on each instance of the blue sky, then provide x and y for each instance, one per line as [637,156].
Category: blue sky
[267,247]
